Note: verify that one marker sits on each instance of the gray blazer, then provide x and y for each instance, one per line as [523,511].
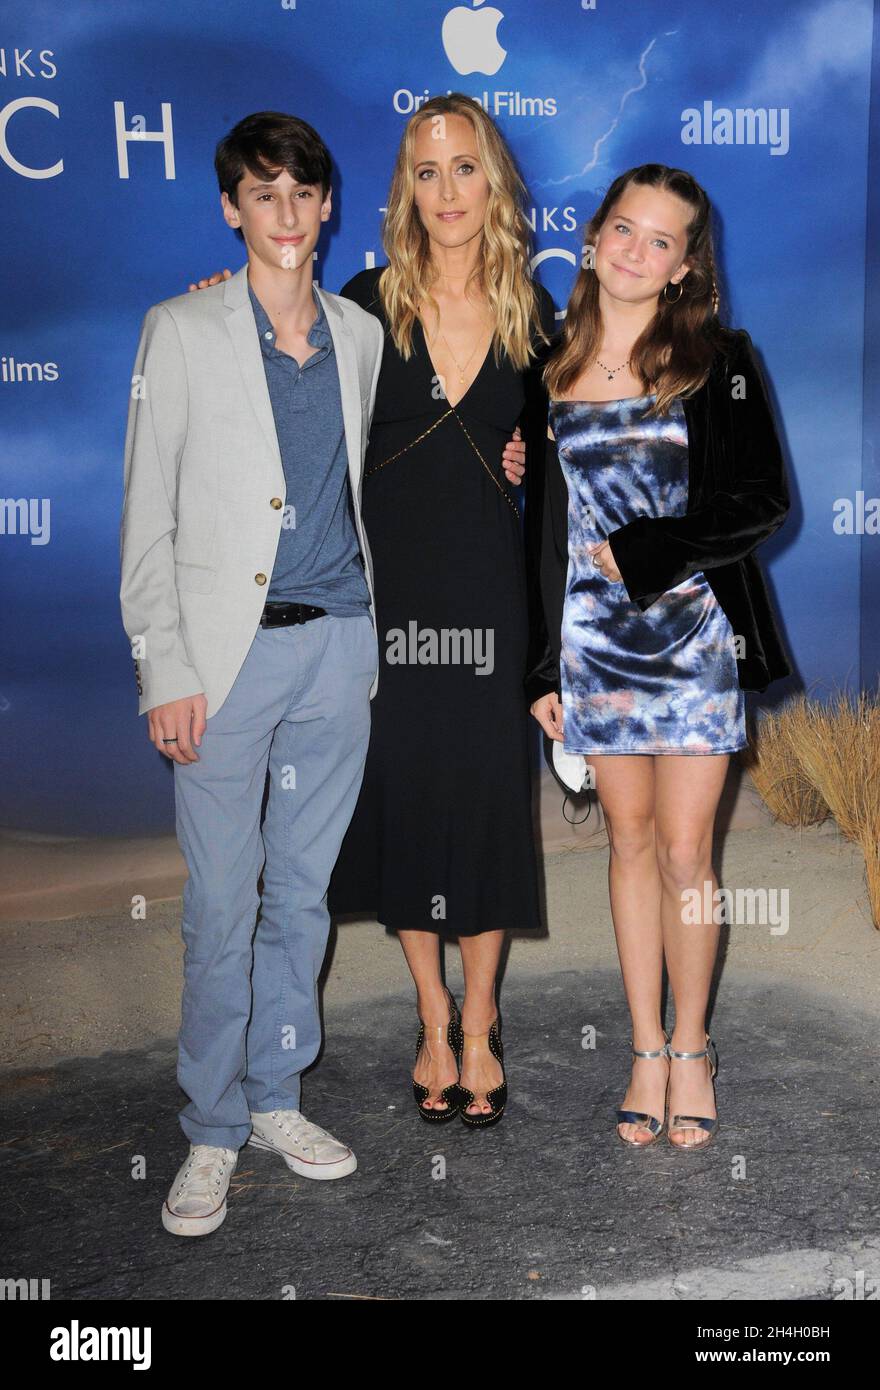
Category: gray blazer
[205,487]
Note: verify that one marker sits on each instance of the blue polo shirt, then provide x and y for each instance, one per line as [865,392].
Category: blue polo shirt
[318,559]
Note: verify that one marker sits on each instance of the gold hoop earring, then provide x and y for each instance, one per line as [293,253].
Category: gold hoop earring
[678,296]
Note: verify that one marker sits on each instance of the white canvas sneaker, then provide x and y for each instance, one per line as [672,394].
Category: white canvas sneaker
[306,1148]
[196,1204]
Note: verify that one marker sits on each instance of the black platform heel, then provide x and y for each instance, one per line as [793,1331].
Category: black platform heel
[451,1094]
[497,1097]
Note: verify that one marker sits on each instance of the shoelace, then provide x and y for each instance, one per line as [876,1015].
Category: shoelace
[304,1132]
[203,1174]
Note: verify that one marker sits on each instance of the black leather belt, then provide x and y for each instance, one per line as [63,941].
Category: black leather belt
[285,614]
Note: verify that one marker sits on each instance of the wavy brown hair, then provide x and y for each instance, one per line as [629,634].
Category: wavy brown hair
[502,272]
[673,354]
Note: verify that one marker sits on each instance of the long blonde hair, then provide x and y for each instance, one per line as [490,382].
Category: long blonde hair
[503,270]
[673,354]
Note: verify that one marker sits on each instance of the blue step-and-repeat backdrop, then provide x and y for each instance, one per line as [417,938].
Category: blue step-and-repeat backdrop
[109,114]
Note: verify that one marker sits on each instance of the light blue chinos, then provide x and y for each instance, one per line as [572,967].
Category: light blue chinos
[299,705]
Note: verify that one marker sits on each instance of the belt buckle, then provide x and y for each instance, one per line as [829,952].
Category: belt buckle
[267,617]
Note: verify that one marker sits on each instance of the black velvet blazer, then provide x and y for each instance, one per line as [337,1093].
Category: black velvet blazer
[738,496]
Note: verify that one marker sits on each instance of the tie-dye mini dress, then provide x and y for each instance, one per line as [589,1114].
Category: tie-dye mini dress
[660,681]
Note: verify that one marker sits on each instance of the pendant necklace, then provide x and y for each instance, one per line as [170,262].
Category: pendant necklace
[612,374]
[461,370]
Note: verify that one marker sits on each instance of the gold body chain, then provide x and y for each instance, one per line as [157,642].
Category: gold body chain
[445,416]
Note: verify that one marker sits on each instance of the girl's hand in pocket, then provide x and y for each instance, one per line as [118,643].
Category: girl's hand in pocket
[603,559]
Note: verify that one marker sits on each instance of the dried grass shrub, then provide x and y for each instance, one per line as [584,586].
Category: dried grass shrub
[777,773]
[813,758]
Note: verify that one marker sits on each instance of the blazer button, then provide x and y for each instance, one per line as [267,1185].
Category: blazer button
[276,503]
[260,578]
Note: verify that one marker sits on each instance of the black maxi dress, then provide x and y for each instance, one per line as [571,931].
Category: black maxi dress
[442,839]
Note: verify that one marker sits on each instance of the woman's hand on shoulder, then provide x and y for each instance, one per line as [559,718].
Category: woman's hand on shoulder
[212,280]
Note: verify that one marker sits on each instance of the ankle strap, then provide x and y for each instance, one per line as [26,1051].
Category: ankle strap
[655,1052]
[688,1056]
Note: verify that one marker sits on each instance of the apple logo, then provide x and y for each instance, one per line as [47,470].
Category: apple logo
[471,40]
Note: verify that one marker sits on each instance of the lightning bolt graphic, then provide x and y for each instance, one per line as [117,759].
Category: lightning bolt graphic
[606,135]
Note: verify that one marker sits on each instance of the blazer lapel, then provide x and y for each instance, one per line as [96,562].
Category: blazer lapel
[242,330]
[349,389]
[241,327]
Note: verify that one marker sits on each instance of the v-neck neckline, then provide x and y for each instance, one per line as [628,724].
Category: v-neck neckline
[436,374]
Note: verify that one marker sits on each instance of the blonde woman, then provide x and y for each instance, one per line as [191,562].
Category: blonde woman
[665,474]
[441,844]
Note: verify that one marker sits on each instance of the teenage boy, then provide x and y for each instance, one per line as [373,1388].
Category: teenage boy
[247,595]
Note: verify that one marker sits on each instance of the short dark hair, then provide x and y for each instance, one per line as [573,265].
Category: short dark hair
[266,142]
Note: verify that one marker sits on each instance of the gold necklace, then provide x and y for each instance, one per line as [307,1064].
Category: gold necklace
[461,370]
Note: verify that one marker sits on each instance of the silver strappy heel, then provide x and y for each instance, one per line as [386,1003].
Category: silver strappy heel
[695,1121]
[636,1117]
